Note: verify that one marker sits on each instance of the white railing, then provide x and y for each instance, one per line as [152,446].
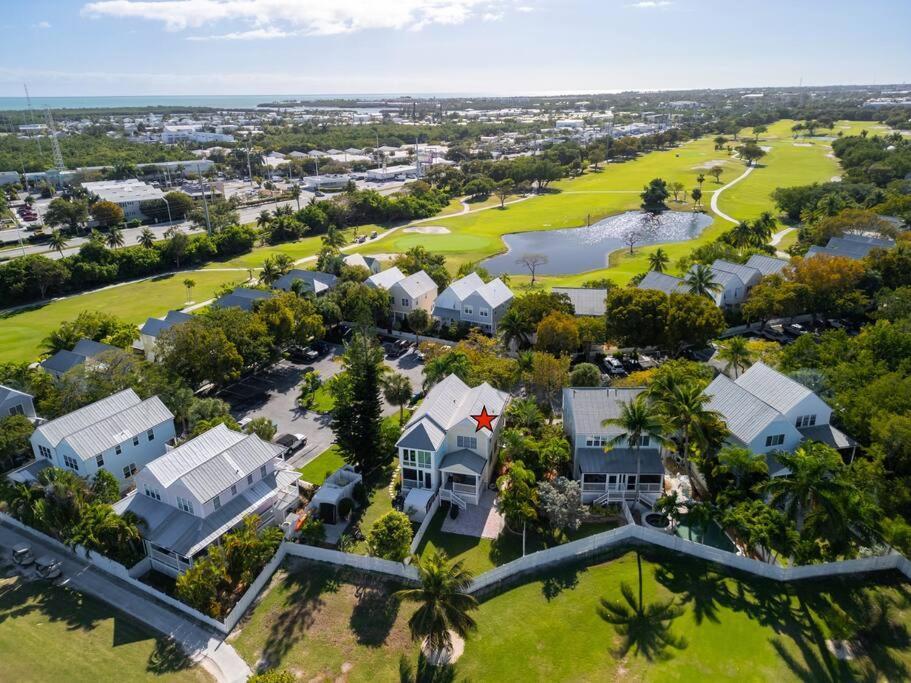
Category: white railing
[453,497]
[469,489]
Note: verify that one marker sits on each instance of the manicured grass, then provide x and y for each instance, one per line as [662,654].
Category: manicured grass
[787,241]
[323,402]
[21,332]
[48,633]
[314,621]
[482,554]
[302,248]
[322,466]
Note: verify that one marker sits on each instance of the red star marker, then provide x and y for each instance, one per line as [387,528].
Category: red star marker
[484,419]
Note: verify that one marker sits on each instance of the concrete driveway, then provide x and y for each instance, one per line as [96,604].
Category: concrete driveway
[279,403]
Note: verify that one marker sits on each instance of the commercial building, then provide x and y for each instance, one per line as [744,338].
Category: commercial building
[127,194]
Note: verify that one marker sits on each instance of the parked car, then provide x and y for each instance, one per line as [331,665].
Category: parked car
[393,350]
[796,330]
[303,355]
[48,567]
[291,443]
[22,554]
[244,421]
[361,239]
[373,235]
[613,366]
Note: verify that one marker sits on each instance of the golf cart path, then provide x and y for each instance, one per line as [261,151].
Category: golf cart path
[776,240]
[714,204]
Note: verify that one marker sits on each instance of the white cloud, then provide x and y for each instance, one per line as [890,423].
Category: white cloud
[280,18]
[651,4]
[524,8]
[492,16]
[43,24]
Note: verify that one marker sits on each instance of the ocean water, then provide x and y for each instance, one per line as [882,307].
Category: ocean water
[217,101]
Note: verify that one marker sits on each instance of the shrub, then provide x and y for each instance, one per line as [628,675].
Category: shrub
[390,537]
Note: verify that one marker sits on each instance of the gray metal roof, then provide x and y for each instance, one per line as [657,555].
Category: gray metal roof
[585,301]
[118,427]
[744,272]
[315,280]
[210,463]
[746,415]
[449,402]
[867,239]
[778,390]
[495,293]
[662,282]
[465,458]
[767,265]
[242,297]
[62,361]
[155,326]
[385,278]
[8,392]
[828,435]
[618,461]
[90,348]
[417,284]
[55,430]
[462,287]
[592,405]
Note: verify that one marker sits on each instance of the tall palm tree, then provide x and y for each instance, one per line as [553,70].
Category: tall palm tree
[189,284]
[658,260]
[114,238]
[685,411]
[146,238]
[742,235]
[736,353]
[57,242]
[270,272]
[763,228]
[444,604]
[514,327]
[263,219]
[333,238]
[638,420]
[296,194]
[813,483]
[701,281]
[398,391]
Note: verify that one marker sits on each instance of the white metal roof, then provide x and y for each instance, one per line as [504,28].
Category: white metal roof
[662,282]
[767,265]
[591,406]
[462,287]
[55,430]
[495,293]
[778,390]
[386,278]
[744,272]
[417,284]
[746,415]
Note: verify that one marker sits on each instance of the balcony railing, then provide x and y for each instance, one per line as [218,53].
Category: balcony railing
[598,487]
[469,489]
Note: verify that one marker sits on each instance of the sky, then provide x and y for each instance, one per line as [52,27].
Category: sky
[505,47]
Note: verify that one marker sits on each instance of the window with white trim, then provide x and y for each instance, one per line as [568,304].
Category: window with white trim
[405,302]
[233,489]
[185,505]
[250,479]
[136,440]
[806,421]
[117,449]
[467,310]
[467,442]
[216,501]
[72,463]
[99,460]
[262,472]
[595,441]
[17,410]
[45,452]
[151,435]
[152,493]
[416,458]
[774,440]
[129,470]
[484,313]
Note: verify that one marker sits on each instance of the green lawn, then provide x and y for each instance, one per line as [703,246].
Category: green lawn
[322,400]
[49,633]
[21,332]
[322,466]
[315,622]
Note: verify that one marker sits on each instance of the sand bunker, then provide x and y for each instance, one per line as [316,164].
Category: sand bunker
[708,164]
[428,230]
[802,144]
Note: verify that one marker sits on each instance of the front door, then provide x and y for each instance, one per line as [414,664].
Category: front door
[428,480]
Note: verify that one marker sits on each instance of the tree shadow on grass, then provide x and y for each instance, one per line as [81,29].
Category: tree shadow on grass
[555,584]
[167,657]
[55,603]
[701,587]
[374,613]
[306,584]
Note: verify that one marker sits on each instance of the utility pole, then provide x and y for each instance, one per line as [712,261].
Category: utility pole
[205,202]
[249,172]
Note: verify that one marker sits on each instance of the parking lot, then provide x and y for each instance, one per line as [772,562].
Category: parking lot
[273,394]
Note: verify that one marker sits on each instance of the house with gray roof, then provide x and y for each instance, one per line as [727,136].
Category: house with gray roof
[121,434]
[586,301]
[85,351]
[385,278]
[662,282]
[471,300]
[767,265]
[767,412]
[851,245]
[371,263]
[153,327]
[418,290]
[444,451]
[607,471]
[15,402]
[192,495]
[242,297]
[313,281]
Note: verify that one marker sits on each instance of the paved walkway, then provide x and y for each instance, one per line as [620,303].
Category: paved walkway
[717,194]
[481,521]
[200,643]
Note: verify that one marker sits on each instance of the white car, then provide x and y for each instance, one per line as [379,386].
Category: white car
[291,443]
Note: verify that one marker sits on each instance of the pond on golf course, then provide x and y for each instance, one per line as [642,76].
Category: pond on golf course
[576,250]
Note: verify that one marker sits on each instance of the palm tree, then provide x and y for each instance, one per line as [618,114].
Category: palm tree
[57,242]
[397,390]
[812,484]
[741,462]
[658,260]
[639,421]
[263,219]
[189,284]
[763,228]
[737,354]
[333,238]
[296,194]
[444,604]
[146,238]
[684,409]
[701,281]
[270,272]
[114,238]
[742,235]
[514,327]
[700,179]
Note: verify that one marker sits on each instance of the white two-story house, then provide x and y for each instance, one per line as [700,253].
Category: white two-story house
[443,449]
[471,300]
[767,412]
[608,472]
[15,402]
[152,329]
[195,493]
[120,433]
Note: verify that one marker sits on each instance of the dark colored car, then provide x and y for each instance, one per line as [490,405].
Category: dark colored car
[291,443]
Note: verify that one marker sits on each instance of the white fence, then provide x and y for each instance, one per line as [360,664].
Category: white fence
[425,524]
